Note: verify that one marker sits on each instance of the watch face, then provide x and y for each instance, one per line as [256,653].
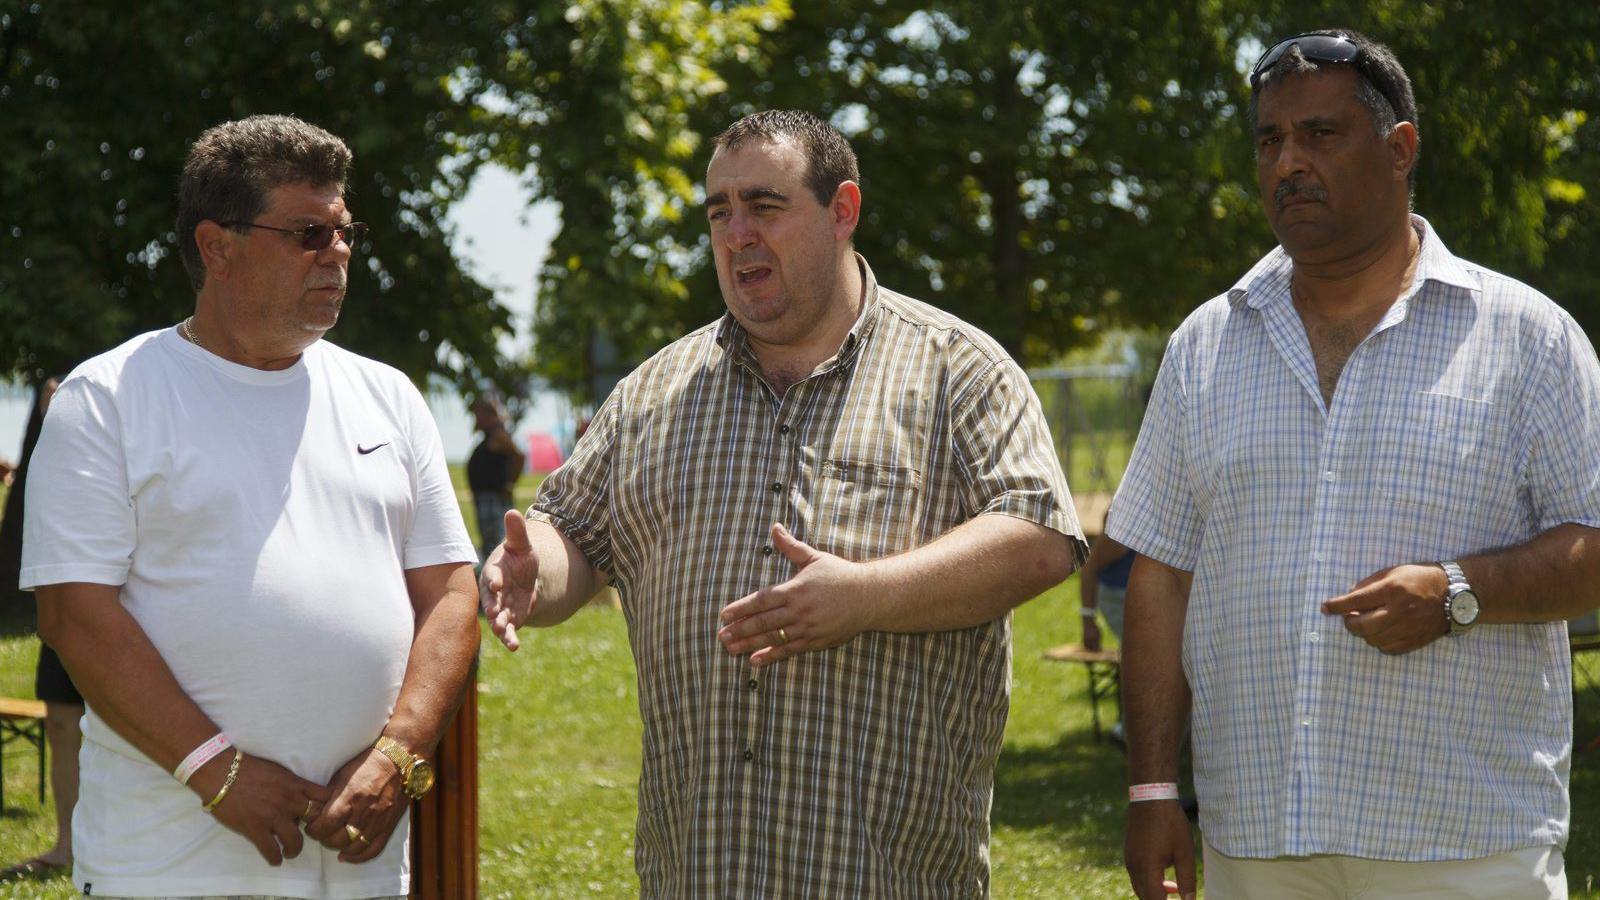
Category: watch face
[1464,608]
[420,780]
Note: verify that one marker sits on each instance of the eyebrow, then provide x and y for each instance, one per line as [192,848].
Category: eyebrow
[1306,123]
[747,195]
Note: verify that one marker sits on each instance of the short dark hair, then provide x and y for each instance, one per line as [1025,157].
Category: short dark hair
[829,159]
[1382,85]
[234,166]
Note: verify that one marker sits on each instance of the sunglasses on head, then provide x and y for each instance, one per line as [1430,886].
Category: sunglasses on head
[313,237]
[1322,48]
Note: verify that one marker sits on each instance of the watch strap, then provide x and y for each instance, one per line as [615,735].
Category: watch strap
[402,758]
[1452,571]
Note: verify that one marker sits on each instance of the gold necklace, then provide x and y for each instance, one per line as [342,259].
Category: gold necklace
[186,328]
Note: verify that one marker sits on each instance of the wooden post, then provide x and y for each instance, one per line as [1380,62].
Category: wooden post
[444,824]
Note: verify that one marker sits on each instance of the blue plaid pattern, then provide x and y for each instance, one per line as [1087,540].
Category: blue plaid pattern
[1468,420]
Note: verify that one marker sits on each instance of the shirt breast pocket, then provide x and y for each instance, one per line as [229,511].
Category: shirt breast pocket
[865,510]
[1447,456]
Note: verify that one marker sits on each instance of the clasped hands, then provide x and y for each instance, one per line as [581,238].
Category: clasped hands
[1397,610]
[355,813]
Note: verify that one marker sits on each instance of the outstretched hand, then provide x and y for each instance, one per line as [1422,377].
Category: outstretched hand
[827,601]
[508,585]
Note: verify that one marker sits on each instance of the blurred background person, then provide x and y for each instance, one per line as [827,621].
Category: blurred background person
[492,471]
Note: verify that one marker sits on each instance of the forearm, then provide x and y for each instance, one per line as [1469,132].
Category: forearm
[1556,575]
[1155,695]
[566,580]
[973,574]
[439,668]
[120,673]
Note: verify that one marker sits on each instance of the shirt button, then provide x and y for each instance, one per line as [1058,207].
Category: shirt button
[749,754]
[784,428]
[777,486]
[1327,476]
[1313,637]
[766,550]
[754,684]
[1320,556]
[1304,720]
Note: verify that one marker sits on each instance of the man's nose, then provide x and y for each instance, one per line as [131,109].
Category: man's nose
[741,231]
[1291,159]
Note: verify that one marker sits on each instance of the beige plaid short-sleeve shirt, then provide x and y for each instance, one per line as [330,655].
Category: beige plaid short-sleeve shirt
[861,771]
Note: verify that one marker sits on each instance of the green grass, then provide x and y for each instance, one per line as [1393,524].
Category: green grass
[559,743]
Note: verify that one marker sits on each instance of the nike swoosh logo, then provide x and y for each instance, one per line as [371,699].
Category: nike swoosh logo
[365,450]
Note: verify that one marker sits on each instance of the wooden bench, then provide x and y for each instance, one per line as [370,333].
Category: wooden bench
[21,719]
[1104,669]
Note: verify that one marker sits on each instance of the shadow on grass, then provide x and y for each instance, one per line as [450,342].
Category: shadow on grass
[17,615]
[1583,844]
[1069,789]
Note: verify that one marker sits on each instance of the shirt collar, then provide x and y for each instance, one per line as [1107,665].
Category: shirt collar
[734,340]
[1267,282]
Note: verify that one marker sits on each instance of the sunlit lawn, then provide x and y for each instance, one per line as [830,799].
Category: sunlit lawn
[559,738]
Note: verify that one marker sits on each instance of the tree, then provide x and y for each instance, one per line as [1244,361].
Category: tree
[89,166]
[1049,170]
[597,105]
[1507,98]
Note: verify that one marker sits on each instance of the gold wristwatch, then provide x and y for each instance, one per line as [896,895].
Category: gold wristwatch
[416,774]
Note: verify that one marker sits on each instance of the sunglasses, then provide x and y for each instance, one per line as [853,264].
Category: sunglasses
[313,237]
[1322,48]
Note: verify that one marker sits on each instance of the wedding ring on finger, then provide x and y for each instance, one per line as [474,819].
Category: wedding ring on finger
[307,816]
[783,636]
[355,833]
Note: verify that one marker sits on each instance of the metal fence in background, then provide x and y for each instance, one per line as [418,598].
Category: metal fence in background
[1094,413]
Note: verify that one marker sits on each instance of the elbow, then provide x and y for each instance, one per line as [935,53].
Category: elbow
[53,625]
[1054,560]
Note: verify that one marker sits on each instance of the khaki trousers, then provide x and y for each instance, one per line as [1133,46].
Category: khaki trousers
[1537,873]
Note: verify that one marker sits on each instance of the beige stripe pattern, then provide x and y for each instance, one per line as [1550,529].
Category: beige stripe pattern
[861,771]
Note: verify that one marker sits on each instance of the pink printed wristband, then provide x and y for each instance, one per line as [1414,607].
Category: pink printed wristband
[1139,793]
[200,756]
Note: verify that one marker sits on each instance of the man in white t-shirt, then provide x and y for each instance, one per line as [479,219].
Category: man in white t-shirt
[248,553]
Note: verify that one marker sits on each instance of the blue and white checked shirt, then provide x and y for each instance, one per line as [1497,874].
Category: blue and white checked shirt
[1468,420]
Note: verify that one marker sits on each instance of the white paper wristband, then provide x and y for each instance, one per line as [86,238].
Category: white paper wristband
[1139,793]
[200,756]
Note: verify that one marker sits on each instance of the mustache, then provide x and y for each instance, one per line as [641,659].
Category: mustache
[1287,189]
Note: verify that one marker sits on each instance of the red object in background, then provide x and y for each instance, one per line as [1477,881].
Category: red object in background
[544,454]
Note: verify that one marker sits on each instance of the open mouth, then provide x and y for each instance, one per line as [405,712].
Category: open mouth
[752,275]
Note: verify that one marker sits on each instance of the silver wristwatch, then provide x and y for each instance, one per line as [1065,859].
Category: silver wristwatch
[1460,601]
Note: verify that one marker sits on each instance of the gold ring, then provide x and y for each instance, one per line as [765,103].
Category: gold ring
[355,833]
[307,814]
[783,636]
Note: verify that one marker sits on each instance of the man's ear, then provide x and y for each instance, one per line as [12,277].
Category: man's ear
[216,248]
[1404,142]
[846,209]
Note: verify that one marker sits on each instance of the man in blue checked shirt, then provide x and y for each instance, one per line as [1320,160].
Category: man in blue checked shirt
[1364,497]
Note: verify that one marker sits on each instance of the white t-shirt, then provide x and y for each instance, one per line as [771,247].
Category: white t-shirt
[259,524]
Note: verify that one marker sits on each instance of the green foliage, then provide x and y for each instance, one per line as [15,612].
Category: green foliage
[599,96]
[1045,171]
[1507,99]
[100,100]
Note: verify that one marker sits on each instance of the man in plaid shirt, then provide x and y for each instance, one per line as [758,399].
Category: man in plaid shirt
[1365,497]
[819,512]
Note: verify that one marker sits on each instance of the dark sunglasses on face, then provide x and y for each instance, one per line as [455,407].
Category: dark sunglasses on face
[1322,48]
[313,237]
